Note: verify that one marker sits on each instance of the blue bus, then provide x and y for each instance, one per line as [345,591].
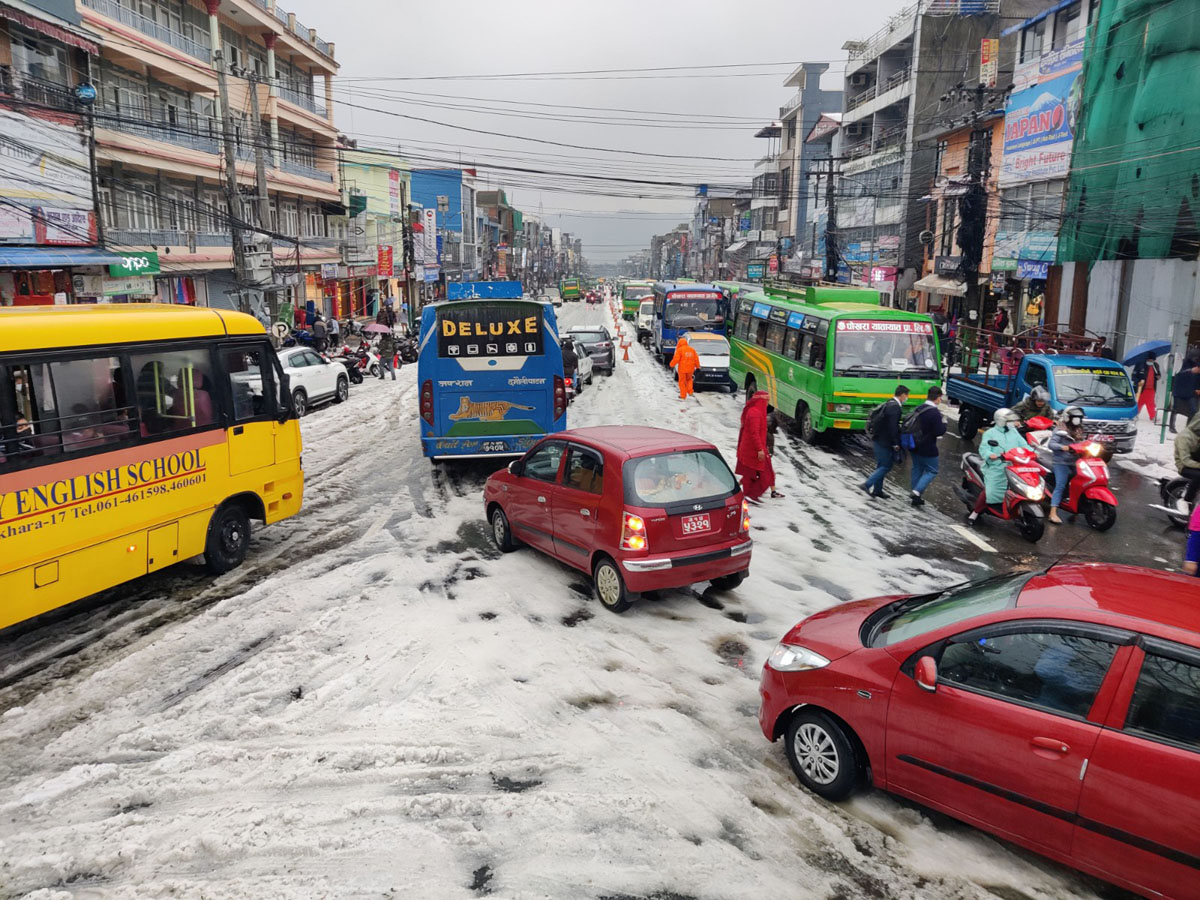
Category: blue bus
[680,307]
[491,377]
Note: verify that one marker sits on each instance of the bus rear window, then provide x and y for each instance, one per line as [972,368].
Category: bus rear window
[683,477]
[489,330]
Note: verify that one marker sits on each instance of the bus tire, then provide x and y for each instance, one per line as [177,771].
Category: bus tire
[300,402]
[751,386]
[343,389]
[804,424]
[228,538]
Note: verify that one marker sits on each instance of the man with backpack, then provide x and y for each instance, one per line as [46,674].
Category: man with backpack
[919,434]
[883,427]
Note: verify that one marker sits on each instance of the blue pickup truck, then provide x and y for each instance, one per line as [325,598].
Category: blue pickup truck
[1099,386]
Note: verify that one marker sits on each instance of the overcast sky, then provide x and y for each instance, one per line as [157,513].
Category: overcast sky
[379,43]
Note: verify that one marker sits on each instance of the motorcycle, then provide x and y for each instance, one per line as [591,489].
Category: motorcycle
[408,349]
[1022,501]
[349,359]
[1173,492]
[368,361]
[1088,491]
[299,336]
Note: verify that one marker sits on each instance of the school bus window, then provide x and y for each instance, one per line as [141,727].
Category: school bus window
[248,382]
[35,425]
[760,336]
[744,324]
[174,390]
[775,337]
[817,358]
[90,398]
[791,342]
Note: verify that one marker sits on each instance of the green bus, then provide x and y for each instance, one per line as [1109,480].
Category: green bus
[733,290]
[827,356]
[569,289]
[632,294]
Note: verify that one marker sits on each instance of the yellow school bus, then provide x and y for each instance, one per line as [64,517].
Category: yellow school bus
[132,438]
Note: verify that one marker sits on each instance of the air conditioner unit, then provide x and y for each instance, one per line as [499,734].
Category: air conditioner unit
[859,79]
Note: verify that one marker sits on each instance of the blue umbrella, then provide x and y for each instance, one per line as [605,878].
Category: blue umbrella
[1141,351]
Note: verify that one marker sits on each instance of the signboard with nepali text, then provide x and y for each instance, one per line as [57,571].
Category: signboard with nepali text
[884,327]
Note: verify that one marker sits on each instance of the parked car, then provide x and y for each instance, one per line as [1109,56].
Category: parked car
[713,351]
[639,509]
[599,345]
[584,372]
[645,321]
[1059,710]
[313,378]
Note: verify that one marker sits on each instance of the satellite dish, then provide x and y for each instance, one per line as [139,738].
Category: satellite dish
[925,237]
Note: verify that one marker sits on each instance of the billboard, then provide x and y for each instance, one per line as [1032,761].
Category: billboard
[1039,121]
[44,166]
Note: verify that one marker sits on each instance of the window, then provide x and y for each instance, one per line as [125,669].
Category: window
[313,222]
[1032,39]
[683,477]
[1068,25]
[108,207]
[785,187]
[804,348]
[791,343]
[174,390]
[949,215]
[1166,700]
[1054,670]
[542,463]
[585,471]
[775,333]
[817,357]
[37,57]
[247,382]
[743,325]
[1035,374]
[924,613]
[290,219]
[760,335]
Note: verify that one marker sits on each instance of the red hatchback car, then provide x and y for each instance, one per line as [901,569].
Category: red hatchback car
[638,509]
[1059,710]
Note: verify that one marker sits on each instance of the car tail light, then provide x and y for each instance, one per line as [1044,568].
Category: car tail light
[744,526]
[427,402]
[560,397]
[604,345]
[633,532]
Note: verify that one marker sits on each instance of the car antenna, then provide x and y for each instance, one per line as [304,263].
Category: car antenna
[1066,553]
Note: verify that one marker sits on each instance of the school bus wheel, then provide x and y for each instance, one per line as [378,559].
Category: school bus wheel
[228,538]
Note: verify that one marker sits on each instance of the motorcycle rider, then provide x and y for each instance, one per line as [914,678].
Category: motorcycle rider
[570,358]
[1068,432]
[1187,456]
[1035,403]
[997,440]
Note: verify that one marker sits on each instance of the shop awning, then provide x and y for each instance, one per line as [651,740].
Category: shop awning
[940,284]
[735,247]
[41,25]
[56,257]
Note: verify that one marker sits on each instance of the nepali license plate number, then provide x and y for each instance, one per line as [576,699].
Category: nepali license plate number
[494,446]
[696,524]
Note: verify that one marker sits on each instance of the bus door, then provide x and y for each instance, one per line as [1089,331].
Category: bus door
[251,372]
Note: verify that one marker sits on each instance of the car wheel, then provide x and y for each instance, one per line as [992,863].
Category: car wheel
[822,755]
[968,424]
[300,402]
[501,533]
[729,582]
[343,389]
[610,586]
[228,539]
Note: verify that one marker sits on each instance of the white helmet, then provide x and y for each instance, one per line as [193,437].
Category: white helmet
[1040,395]
[1005,416]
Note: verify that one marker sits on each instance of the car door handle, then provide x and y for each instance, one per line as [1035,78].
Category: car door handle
[239,429]
[585,512]
[1045,743]
[541,499]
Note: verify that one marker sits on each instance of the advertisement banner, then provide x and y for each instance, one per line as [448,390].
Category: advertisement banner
[1039,121]
[329,271]
[1032,268]
[385,261]
[16,225]
[135,263]
[989,61]
[137,286]
[65,226]
[394,193]
[45,165]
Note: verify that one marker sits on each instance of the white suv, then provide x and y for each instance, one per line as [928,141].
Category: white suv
[313,378]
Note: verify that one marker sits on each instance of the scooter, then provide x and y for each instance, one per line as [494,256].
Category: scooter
[1173,491]
[1088,491]
[408,349]
[1022,501]
[349,359]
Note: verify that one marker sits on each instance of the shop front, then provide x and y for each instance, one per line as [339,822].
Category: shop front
[43,276]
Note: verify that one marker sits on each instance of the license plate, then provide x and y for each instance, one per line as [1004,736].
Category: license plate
[696,524]
[842,423]
[494,446]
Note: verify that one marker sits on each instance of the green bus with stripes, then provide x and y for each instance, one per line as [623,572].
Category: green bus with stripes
[632,293]
[827,356]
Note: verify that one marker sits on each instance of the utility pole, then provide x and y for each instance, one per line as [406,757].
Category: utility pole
[232,196]
[972,210]
[264,201]
[832,254]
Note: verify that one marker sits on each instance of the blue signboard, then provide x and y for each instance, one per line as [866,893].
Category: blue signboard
[484,290]
[761,310]
[1032,268]
[796,320]
[755,270]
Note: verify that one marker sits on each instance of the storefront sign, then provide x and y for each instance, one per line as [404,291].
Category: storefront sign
[137,286]
[385,261]
[362,271]
[999,281]
[65,226]
[136,263]
[394,193]
[1032,268]
[989,61]
[329,271]
[946,265]
[755,270]
[1003,264]
[883,273]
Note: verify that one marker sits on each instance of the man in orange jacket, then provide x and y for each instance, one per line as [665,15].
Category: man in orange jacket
[685,361]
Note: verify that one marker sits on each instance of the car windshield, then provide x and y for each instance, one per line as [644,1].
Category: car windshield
[647,309]
[924,613]
[878,350]
[688,313]
[589,337]
[1092,386]
[635,293]
[709,346]
[681,477]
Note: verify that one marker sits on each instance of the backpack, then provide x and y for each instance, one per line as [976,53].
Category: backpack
[874,419]
[911,430]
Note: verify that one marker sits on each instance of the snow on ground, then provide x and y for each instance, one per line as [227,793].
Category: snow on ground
[384,706]
[1153,454]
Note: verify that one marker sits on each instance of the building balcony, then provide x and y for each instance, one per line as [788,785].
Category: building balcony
[895,90]
[37,91]
[150,28]
[192,132]
[164,237]
[304,170]
[304,101]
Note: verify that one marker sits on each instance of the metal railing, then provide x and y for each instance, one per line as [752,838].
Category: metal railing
[193,132]
[165,237]
[896,79]
[304,101]
[149,27]
[307,171]
[859,99]
[37,90]
[890,137]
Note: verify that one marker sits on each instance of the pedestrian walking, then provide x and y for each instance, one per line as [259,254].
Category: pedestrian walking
[884,423]
[387,354]
[1062,460]
[753,461]
[1191,553]
[1184,390]
[929,427]
[774,421]
[319,333]
[335,332]
[1145,378]
[686,361]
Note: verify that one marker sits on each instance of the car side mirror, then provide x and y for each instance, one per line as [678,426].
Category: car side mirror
[514,467]
[926,674]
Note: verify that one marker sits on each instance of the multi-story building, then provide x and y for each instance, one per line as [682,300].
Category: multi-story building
[458,224]
[48,231]
[159,141]
[894,82]
[501,221]
[796,157]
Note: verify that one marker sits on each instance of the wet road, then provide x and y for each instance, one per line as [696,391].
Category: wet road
[1141,536]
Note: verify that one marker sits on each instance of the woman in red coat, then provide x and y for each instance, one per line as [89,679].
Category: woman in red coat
[753,460]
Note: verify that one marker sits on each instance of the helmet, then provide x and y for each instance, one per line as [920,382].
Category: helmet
[1005,416]
[1040,395]
[1073,415]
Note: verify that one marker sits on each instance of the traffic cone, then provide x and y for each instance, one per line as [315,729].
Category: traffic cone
[625,347]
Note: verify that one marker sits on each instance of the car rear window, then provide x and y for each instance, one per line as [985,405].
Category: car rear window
[589,337]
[686,476]
[922,614]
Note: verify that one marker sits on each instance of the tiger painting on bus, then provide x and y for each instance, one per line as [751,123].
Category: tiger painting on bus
[485,411]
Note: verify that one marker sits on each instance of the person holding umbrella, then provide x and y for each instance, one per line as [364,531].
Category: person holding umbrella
[1146,373]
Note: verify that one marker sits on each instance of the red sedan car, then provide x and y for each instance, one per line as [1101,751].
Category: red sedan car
[638,509]
[1059,710]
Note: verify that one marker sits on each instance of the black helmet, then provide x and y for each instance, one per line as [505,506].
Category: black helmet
[1073,415]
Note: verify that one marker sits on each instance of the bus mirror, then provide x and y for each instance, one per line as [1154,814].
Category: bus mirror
[287,409]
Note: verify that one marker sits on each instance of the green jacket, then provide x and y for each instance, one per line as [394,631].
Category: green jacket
[1027,409]
[1187,446]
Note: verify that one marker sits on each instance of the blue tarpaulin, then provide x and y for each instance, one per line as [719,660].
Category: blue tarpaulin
[484,290]
[56,257]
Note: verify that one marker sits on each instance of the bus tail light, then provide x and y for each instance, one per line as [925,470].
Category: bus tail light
[560,397]
[427,402]
[633,532]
